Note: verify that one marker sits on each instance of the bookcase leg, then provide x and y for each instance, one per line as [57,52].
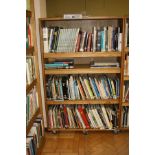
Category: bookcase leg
[54,131]
[116,131]
[85,132]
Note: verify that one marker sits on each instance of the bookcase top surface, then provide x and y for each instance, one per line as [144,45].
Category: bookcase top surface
[84,18]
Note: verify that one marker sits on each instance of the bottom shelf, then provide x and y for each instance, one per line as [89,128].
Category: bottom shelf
[63,129]
[124,129]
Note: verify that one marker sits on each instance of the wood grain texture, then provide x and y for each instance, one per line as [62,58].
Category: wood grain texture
[76,143]
[82,54]
[102,101]
[29,87]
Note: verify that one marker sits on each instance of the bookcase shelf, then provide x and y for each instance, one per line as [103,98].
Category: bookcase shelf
[82,71]
[124,129]
[29,87]
[32,121]
[126,77]
[97,101]
[78,129]
[82,54]
[125,103]
[29,51]
[28,13]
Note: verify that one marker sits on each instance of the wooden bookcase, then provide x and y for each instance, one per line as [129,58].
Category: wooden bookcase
[32,51]
[86,24]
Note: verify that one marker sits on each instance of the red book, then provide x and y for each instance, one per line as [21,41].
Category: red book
[66,117]
[83,117]
[78,43]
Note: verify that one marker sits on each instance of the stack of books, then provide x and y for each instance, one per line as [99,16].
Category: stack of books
[30,69]
[83,116]
[82,87]
[104,64]
[58,39]
[60,64]
[125,117]
[31,104]
[34,137]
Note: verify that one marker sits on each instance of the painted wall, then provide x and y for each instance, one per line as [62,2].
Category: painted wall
[56,8]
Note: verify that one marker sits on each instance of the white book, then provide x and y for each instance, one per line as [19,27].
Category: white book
[79,116]
[50,40]
[93,117]
[102,90]
[106,117]
[94,39]
[99,120]
[69,117]
[45,39]
[91,120]
[96,118]
[82,42]
[120,42]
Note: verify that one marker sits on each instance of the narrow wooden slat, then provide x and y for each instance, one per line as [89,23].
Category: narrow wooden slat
[84,18]
[32,121]
[29,87]
[28,13]
[125,103]
[29,51]
[126,77]
[81,54]
[126,49]
[105,101]
[82,71]
[124,129]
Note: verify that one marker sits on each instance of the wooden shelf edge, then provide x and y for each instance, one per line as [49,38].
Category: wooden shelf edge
[126,77]
[124,129]
[84,18]
[28,13]
[81,54]
[30,50]
[69,129]
[29,87]
[32,120]
[82,71]
[106,101]
[125,103]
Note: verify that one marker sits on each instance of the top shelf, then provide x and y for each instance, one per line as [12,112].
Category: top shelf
[28,13]
[81,54]
[84,18]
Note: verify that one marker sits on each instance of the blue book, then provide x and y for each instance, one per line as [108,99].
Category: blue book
[110,87]
[96,89]
[56,65]
[103,83]
[61,91]
[102,41]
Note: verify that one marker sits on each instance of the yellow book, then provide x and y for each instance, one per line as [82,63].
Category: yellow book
[89,89]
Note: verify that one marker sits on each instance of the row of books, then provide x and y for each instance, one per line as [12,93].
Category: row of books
[83,116]
[60,64]
[82,87]
[125,117]
[127,34]
[29,38]
[126,65]
[126,91]
[58,39]
[34,137]
[30,69]
[31,104]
